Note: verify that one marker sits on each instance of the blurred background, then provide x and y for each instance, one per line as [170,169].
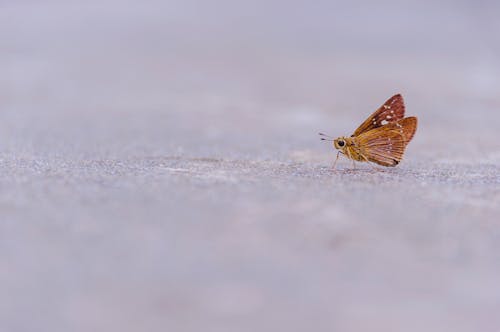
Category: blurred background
[201,76]
[160,167]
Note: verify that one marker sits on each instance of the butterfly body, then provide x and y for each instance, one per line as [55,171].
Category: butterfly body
[382,138]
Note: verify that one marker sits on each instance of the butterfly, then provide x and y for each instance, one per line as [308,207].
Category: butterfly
[382,138]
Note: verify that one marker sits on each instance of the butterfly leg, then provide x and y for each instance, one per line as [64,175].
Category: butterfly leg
[336,159]
[349,155]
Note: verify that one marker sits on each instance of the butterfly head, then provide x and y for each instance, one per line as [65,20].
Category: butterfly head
[340,143]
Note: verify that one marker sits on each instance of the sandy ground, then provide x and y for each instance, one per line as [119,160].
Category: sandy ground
[160,168]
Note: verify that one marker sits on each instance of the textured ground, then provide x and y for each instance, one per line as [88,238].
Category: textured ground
[160,167]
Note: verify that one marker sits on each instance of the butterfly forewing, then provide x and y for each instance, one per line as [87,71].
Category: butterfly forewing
[393,110]
[386,145]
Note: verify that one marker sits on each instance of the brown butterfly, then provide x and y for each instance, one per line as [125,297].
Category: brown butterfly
[382,138]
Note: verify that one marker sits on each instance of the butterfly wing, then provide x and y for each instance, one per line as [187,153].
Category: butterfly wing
[407,127]
[393,110]
[386,145]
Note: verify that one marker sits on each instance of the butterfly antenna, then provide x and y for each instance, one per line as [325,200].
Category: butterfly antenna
[326,137]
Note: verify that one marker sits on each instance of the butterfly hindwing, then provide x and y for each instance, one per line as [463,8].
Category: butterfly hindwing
[393,110]
[408,126]
[405,127]
[386,145]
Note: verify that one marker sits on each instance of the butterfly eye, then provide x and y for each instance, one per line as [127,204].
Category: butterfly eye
[341,143]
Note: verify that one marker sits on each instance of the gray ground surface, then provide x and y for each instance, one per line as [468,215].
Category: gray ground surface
[160,168]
